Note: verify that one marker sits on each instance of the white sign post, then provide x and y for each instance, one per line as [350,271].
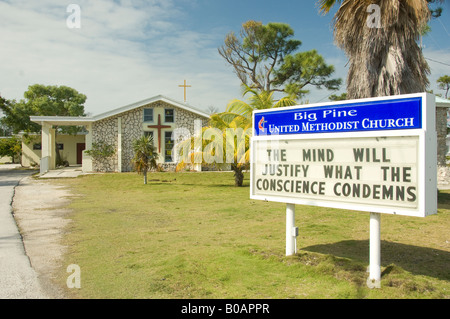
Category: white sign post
[376,155]
[374,280]
[290,226]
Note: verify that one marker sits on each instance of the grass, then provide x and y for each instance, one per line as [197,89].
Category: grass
[191,235]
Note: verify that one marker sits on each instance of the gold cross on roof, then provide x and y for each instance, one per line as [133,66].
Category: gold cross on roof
[184,86]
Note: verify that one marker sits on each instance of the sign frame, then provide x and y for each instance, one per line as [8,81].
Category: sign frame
[427,153]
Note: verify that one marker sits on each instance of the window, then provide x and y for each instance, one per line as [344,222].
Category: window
[148,115]
[169,116]
[149,134]
[37,146]
[168,146]
[60,146]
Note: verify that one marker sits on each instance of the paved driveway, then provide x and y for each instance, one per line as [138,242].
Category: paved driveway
[18,280]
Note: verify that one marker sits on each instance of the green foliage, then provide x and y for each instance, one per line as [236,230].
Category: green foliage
[335,97]
[444,84]
[11,147]
[101,150]
[17,116]
[42,100]
[305,68]
[145,155]
[54,100]
[264,58]
[258,100]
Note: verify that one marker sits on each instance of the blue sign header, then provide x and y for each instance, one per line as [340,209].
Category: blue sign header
[395,114]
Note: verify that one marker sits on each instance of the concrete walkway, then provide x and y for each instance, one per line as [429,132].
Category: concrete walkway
[66,172]
[18,280]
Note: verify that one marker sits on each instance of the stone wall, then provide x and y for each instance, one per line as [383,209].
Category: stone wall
[105,131]
[441,128]
[443,176]
[131,130]
[185,119]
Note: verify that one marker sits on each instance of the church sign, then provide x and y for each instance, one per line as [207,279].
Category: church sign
[376,155]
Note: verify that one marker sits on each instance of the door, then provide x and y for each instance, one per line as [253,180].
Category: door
[80,148]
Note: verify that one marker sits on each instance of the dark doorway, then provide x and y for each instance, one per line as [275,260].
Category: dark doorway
[80,148]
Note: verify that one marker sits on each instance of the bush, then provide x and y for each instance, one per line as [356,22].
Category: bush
[11,147]
[101,150]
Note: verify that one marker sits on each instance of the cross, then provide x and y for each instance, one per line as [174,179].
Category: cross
[159,127]
[184,86]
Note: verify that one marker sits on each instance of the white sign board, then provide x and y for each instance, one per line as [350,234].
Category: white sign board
[375,168]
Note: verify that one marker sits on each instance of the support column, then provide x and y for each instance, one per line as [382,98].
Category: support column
[45,151]
[47,148]
[290,225]
[87,160]
[52,144]
[374,280]
[119,144]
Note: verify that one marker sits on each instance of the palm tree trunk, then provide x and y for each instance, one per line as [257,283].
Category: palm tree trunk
[145,178]
[387,60]
[238,175]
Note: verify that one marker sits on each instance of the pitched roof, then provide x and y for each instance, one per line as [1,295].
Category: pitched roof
[149,101]
[441,102]
[84,120]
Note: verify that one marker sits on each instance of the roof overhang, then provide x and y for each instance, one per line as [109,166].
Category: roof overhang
[441,102]
[62,120]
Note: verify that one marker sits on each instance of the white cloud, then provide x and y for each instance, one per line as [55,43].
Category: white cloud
[127,51]
[439,62]
[123,52]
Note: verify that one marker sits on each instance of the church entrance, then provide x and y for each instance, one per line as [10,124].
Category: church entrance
[80,148]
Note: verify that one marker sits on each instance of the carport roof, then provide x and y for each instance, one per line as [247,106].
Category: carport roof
[62,120]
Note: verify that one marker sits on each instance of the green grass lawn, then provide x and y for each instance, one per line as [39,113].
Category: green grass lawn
[195,235]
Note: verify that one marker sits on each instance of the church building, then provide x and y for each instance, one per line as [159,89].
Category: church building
[158,117]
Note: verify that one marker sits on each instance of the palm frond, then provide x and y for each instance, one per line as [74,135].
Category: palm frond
[239,107]
[145,154]
[326,5]
[285,101]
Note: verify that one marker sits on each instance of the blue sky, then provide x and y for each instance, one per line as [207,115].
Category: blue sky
[126,51]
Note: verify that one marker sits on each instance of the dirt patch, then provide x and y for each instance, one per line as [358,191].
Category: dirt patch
[40,213]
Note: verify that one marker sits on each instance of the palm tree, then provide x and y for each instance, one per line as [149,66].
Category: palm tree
[233,129]
[224,143]
[385,58]
[259,100]
[444,84]
[145,155]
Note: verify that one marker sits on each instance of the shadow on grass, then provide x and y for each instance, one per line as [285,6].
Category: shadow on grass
[198,184]
[443,200]
[416,260]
